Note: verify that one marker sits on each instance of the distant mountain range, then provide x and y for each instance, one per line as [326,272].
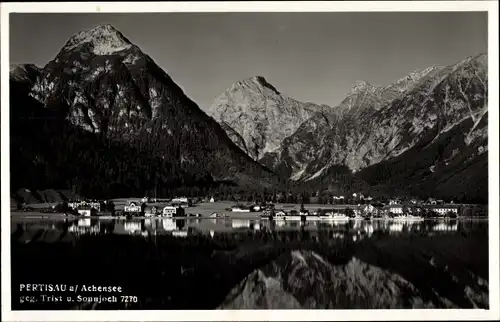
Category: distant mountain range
[104,119]
[426,134]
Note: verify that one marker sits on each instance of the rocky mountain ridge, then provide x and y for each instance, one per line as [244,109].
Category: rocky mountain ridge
[24,73]
[380,124]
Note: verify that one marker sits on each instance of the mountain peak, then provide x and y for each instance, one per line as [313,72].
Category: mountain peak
[104,39]
[256,81]
[481,58]
[259,79]
[22,67]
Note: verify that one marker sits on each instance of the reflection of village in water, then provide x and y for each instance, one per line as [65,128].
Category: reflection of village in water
[182,228]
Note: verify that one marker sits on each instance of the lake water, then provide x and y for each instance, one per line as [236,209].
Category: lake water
[205,263]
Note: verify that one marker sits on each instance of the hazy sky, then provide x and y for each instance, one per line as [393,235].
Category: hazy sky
[312,57]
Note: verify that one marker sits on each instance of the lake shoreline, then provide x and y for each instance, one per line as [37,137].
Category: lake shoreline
[230,215]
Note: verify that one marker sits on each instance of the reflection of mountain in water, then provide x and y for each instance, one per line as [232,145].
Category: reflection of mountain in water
[303,279]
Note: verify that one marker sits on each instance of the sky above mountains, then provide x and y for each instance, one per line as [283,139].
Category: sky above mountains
[314,57]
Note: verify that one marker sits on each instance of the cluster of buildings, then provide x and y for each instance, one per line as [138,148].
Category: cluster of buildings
[398,206]
[85,207]
[175,208]
[360,205]
[360,198]
[375,210]
[413,209]
[141,209]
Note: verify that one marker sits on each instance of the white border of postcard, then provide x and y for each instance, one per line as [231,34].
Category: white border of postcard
[261,315]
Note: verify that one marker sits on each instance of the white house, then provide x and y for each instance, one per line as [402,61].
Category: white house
[170,211]
[444,209]
[85,205]
[396,209]
[84,212]
[133,208]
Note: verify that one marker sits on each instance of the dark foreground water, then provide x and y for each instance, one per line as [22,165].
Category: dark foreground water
[244,264]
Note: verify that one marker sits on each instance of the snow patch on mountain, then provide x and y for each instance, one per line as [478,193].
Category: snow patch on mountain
[298,175]
[317,174]
[130,59]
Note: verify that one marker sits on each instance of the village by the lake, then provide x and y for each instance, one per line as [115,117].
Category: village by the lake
[148,215]
[357,206]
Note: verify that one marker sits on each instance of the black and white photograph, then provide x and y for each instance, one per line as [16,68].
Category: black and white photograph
[249,160]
